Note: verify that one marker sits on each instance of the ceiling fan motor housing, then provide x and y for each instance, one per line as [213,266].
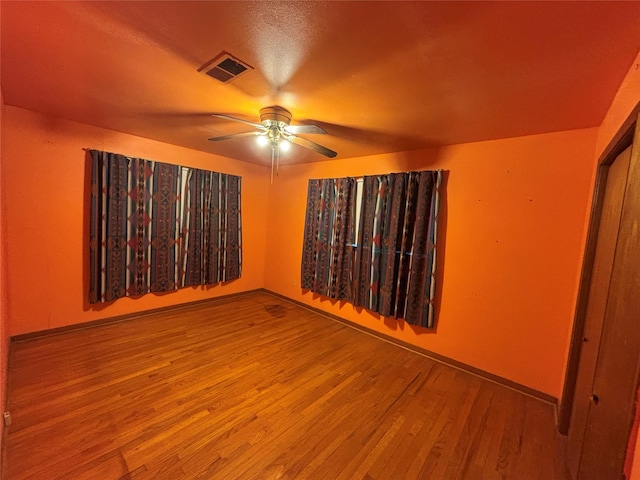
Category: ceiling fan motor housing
[275,115]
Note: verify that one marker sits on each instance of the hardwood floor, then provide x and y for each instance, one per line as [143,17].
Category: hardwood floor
[254,387]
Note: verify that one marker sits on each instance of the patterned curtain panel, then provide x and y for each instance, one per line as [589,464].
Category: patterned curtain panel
[211,250]
[327,252]
[141,219]
[394,273]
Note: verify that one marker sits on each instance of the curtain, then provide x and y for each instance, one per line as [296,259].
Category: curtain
[392,268]
[152,230]
[395,264]
[210,228]
[328,237]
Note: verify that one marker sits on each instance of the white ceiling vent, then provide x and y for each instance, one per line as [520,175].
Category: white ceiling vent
[225,67]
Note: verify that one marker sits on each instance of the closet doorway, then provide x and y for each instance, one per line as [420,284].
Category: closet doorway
[606,338]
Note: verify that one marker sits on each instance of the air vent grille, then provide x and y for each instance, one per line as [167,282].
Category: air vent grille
[225,67]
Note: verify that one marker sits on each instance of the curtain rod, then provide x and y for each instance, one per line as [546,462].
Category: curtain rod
[88,149]
[361,177]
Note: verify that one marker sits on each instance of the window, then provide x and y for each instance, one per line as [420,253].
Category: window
[358,211]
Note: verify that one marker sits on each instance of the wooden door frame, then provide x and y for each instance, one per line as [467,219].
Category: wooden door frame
[621,140]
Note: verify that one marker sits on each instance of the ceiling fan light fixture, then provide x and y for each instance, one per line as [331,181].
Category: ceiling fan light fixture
[275,130]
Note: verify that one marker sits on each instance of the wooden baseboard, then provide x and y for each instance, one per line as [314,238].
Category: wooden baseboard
[419,350]
[122,318]
[545,397]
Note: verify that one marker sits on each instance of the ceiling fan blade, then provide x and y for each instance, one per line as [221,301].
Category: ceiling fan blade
[234,119]
[303,142]
[235,135]
[293,129]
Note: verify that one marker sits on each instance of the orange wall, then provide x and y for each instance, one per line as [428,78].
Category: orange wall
[515,211]
[44,180]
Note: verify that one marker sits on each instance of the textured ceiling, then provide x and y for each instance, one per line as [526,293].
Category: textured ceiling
[378,76]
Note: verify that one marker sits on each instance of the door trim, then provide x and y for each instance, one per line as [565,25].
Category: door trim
[621,140]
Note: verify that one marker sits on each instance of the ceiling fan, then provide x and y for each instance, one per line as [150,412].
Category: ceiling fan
[276,131]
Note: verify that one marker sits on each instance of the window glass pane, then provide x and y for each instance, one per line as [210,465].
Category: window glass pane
[359,184]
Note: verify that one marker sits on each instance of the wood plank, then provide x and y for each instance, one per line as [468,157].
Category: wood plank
[257,387]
